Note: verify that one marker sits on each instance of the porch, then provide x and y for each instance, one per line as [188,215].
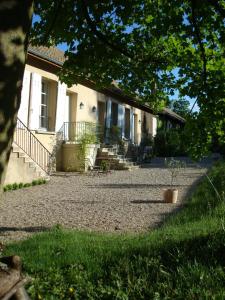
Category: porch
[83,145]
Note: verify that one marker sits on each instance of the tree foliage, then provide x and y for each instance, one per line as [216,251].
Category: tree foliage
[180,106]
[139,44]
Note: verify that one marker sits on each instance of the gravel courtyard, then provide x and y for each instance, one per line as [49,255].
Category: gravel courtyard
[123,201]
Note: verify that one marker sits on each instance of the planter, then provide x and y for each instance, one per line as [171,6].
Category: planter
[170,195]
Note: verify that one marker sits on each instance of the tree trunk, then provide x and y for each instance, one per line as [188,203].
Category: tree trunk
[15,24]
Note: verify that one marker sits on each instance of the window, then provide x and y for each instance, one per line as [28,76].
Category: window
[44,105]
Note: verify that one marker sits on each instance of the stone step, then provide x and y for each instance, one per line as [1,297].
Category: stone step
[17,152]
[14,154]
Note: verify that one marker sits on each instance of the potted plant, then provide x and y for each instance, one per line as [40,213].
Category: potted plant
[171,194]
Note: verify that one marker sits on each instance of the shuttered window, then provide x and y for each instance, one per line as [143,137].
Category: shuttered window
[44,105]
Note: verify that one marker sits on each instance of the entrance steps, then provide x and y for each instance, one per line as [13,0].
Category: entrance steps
[22,169]
[115,159]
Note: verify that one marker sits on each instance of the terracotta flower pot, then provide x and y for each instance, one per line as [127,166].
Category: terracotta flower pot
[170,195]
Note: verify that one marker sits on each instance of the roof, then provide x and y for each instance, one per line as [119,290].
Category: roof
[56,56]
[52,54]
[168,112]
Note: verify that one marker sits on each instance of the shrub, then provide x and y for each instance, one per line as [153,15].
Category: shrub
[169,143]
[15,186]
[104,166]
[20,185]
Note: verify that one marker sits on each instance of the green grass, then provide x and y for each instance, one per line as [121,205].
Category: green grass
[184,259]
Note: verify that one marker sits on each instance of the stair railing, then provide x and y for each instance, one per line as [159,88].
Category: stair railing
[28,142]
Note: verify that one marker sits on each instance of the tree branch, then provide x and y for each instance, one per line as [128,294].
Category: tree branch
[100,35]
[201,45]
[55,16]
[119,48]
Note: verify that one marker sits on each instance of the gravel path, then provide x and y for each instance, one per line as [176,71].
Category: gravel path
[123,201]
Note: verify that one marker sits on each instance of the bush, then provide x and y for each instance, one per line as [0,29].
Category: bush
[169,143]
[15,186]
[104,166]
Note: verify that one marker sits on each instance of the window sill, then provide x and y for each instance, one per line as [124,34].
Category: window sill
[42,131]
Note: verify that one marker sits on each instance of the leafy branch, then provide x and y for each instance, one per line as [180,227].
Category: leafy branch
[201,45]
[100,35]
[114,46]
[58,7]
[217,7]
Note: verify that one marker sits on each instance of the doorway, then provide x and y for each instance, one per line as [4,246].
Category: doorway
[101,118]
[114,114]
[127,123]
[135,129]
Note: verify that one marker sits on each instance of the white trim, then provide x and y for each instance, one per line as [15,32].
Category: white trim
[121,119]
[108,113]
[25,95]
[35,101]
[131,124]
[60,110]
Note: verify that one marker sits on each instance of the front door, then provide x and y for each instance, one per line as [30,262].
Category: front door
[135,128]
[127,123]
[114,114]
[101,117]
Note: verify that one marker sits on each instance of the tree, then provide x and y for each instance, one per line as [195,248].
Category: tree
[15,22]
[180,106]
[138,43]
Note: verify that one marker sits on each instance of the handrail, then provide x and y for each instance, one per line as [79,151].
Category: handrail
[28,142]
[74,131]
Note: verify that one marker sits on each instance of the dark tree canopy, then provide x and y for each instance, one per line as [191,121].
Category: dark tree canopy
[139,44]
[180,106]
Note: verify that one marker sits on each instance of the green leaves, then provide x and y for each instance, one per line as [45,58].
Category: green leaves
[139,44]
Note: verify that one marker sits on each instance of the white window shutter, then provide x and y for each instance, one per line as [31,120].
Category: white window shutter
[121,118]
[25,94]
[108,113]
[131,124]
[66,112]
[154,126]
[61,106]
[35,102]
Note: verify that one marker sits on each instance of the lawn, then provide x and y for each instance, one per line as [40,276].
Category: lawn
[184,259]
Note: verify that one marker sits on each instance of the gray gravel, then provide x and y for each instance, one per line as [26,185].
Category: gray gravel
[123,201]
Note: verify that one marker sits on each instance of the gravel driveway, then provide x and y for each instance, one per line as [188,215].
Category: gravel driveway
[123,201]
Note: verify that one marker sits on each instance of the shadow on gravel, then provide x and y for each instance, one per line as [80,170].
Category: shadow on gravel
[26,229]
[66,174]
[147,201]
[132,185]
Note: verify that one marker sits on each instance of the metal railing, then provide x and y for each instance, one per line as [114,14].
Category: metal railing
[75,131]
[113,134]
[28,142]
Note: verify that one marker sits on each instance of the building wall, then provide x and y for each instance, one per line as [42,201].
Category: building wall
[151,123]
[18,171]
[78,94]
[64,105]
[48,139]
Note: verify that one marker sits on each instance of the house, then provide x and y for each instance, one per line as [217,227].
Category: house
[53,116]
